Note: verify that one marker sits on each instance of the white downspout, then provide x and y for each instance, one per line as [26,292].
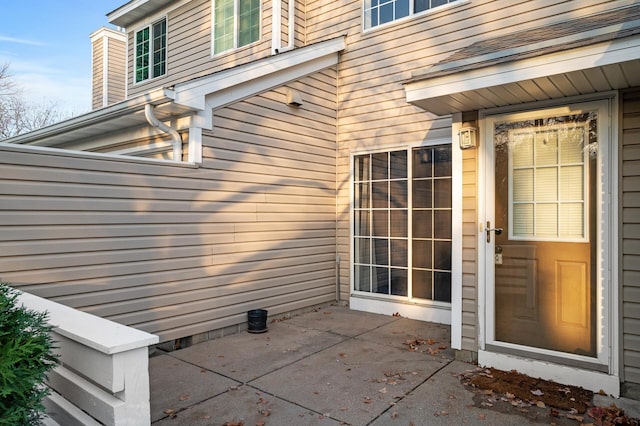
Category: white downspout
[292,27]
[176,140]
[276,27]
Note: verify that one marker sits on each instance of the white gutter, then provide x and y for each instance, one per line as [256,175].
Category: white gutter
[175,136]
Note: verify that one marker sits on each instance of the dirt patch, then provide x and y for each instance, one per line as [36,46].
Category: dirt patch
[539,400]
[522,387]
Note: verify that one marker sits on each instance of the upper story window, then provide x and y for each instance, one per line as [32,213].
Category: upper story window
[378,12]
[236,23]
[151,51]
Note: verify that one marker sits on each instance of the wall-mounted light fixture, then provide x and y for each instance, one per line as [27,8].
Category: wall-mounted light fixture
[468,137]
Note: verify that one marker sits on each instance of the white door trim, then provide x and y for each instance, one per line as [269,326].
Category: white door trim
[608,321]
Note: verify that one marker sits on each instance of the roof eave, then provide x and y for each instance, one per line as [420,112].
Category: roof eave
[45,135]
[444,93]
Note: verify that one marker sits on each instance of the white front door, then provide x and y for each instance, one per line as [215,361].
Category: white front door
[546,235]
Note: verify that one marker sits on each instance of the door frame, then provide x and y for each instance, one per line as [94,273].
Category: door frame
[592,373]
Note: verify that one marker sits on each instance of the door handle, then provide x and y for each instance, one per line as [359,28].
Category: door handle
[489,229]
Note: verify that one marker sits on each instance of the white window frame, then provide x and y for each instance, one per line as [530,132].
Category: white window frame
[420,309]
[366,8]
[235,28]
[150,75]
[585,199]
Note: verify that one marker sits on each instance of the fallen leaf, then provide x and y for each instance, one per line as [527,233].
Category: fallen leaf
[343,355]
[265,413]
[540,404]
[383,390]
[366,400]
[260,423]
[537,392]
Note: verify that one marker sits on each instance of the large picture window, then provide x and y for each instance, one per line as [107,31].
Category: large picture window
[402,217]
[378,12]
[236,23]
[151,51]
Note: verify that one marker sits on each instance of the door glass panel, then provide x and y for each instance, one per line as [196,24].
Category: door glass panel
[544,279]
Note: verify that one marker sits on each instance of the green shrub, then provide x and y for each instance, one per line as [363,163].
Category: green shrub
[25,358]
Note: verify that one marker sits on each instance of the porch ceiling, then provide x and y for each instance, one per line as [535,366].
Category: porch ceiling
[567,59]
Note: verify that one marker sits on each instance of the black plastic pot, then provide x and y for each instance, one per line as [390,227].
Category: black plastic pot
[257,321]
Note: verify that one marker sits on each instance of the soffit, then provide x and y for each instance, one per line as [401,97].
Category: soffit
[583,56]
[134,11]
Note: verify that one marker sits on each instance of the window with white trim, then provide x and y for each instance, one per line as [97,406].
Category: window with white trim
[151,51]
[236,23]
[378,12]
[402,223]
[549,167]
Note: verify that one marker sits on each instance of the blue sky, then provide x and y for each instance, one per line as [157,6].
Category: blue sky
[46,44]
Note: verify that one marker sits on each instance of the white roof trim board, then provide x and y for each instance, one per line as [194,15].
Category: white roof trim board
[595,60]
[194,99]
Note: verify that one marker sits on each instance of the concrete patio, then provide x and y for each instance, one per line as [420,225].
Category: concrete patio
[333,366]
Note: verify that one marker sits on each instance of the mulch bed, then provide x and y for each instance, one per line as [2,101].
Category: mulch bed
[532,397]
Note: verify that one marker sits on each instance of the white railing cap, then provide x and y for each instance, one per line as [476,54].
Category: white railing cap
[95,332]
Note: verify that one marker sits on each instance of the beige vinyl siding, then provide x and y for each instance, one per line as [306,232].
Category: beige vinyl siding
[108,50]
[631,236]
[189,53]
[97,74]
[470,250]
[116,82]
[177,250]
[373,112]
